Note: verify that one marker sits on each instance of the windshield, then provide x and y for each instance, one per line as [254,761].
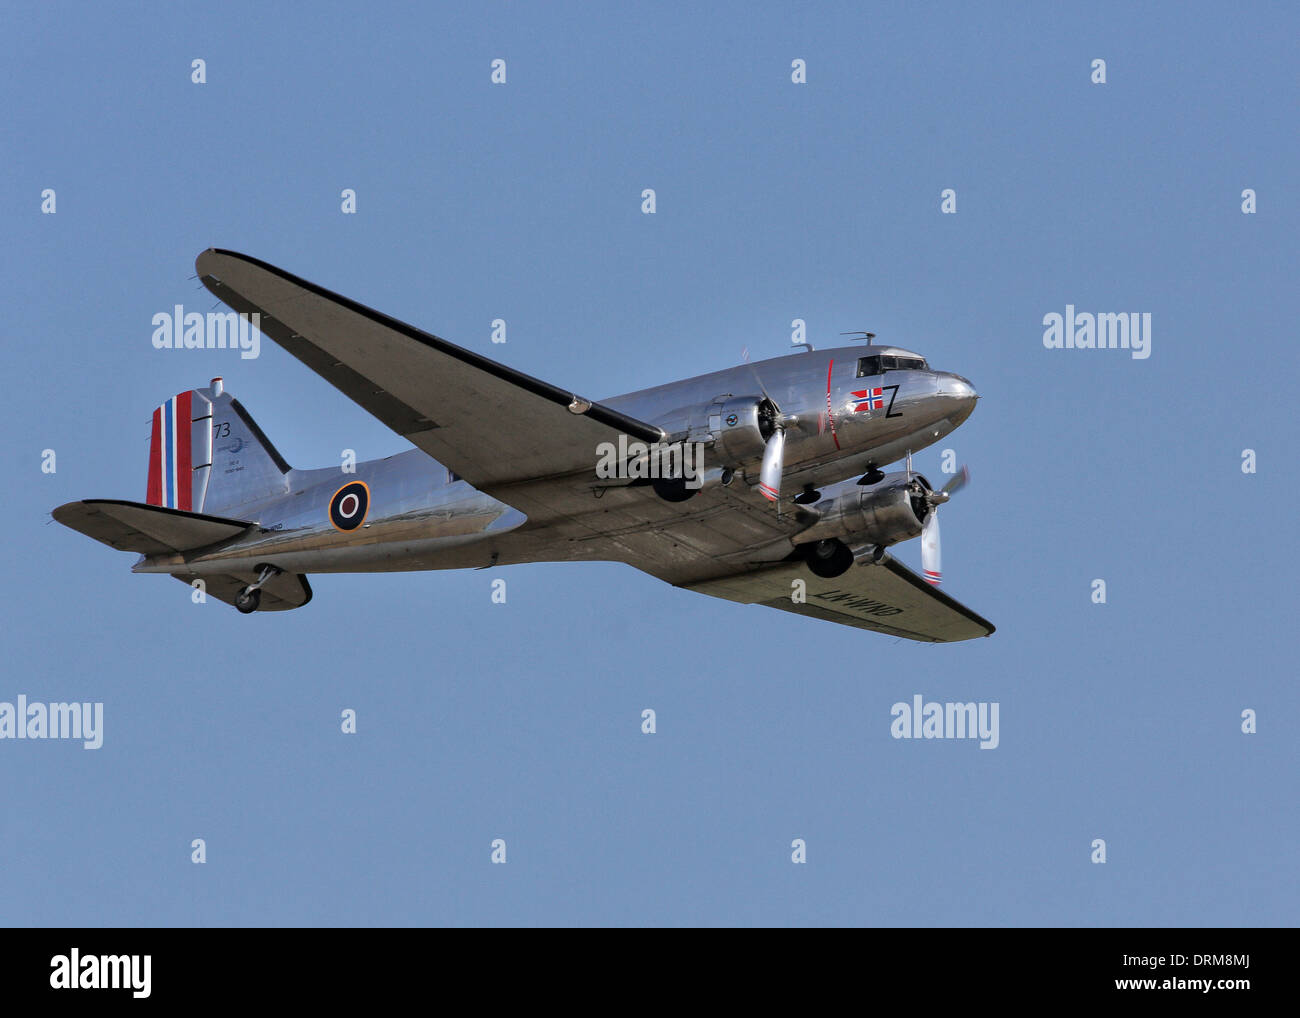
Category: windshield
[880,363]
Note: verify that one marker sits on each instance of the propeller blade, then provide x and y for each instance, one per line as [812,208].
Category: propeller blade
[780,418]
[769,476]
[930,567]
[959,481]
[763,388]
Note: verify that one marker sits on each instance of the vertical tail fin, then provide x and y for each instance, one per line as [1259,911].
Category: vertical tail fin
[206,454]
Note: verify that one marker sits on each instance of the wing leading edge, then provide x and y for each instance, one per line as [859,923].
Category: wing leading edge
[886,598]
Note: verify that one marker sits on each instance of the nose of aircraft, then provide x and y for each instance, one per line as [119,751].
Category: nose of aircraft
[961,392]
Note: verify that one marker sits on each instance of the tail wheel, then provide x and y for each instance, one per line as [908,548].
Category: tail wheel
[246,601]
[829,559]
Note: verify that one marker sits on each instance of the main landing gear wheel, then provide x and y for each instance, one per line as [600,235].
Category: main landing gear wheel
[248,599]
[829,559]
[672,489]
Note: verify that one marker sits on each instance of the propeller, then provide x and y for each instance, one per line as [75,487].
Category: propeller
[769,474]
[930,564]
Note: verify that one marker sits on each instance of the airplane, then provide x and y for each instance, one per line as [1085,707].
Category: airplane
[696,486]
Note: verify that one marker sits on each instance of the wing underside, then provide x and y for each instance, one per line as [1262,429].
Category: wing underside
[886,598]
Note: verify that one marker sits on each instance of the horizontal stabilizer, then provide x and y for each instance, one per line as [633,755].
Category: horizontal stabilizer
[147,529]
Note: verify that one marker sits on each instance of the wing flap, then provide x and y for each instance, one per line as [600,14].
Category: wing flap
[147,529]
[886,598]
[491,424]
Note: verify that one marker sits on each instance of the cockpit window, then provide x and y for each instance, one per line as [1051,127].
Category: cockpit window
[880,363]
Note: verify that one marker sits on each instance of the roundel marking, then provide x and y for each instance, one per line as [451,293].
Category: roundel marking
[731,420]
[349,505]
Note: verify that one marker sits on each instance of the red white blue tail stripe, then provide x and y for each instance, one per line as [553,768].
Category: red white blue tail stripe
[171,461]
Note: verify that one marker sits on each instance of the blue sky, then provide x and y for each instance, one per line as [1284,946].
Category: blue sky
[775,201]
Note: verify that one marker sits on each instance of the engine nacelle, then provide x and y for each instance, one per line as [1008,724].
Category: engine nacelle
[893,510]
[740,427]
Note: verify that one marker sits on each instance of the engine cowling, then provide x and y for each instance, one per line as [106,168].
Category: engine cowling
[883,514]
[740,427]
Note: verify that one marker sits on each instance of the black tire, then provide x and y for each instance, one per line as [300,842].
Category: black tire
[829,559]
[672,489]
[246,601]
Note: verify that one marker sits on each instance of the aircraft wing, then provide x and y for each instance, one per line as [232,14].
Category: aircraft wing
[491,424]
[729,543]
[886,598]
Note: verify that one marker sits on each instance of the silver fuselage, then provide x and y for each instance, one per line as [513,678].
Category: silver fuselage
[421,517]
